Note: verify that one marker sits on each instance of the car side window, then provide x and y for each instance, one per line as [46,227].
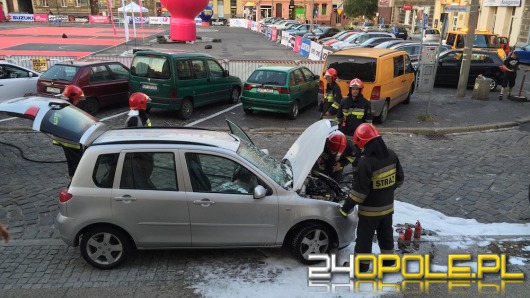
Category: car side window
[99,73]
[11,72]
[199,69]
[211,173]
[399,66]
[119,71]
[450,39]
[408,65]
[105,169]
[184,70]
[298,77]
[149,171]
[309,76]
[216,70]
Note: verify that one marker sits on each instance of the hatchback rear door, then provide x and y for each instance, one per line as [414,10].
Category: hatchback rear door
[56,117]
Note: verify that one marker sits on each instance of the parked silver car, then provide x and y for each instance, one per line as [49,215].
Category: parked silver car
[162,188]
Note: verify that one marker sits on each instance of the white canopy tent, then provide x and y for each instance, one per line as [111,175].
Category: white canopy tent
[132,7]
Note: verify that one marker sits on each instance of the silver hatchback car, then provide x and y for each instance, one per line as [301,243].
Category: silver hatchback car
[164,188]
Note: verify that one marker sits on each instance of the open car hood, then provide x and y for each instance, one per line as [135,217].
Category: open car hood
[307,149]
[56,117]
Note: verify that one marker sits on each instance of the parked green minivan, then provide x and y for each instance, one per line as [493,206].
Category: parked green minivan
[182,81]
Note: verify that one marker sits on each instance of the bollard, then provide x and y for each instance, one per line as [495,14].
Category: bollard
[481,90]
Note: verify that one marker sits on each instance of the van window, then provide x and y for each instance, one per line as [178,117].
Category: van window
[199,69]
[450,39]
[184,70]
[154,67]
[408,65]
[399,66]
[350,67]
[216,70]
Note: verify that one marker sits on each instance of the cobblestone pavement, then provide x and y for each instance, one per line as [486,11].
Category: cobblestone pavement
[482,175]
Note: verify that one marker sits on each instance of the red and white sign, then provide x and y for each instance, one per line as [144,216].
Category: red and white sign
[40,17]
[407,6]
[98,19]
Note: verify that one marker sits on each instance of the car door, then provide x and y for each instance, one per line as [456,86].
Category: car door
[101,85]
[448,70]
[223,211]
[16,82]
[299,90]
[120,78]
[311,94]
[202,91]
[398,85]
[217,80]
[148,200]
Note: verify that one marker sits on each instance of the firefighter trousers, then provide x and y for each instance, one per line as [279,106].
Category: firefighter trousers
[366,228]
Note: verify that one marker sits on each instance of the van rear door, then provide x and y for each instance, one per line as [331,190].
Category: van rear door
[152,75]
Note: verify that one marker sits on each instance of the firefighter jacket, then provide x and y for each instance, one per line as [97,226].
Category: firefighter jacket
[353,112]
[331,101]
[374,186]
[137,118]
[326,162]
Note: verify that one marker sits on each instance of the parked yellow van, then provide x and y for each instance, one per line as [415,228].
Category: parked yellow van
[484,40]
[388,76]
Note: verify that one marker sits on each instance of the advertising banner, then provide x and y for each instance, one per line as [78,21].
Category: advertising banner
[297,44]
[258,27]
[325,54]
[19,17]
[39,64]
[315,53]
[57,18]
[98,19]
[515,3]
[285,38]
[305,47]
[80,19]
[159,20]
[138,20]
[40,17]
[241,23]
[268,34]
[274,33]
[254,26]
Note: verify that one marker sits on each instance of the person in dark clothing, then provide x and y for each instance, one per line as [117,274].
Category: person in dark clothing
[331,102]
[354,109]
[379,173]
[138,115]
[338,153]
[511,65]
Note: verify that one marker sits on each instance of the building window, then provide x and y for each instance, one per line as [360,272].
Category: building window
[76,3]
[63,3]
[45,3]
[278,10]
[324,9]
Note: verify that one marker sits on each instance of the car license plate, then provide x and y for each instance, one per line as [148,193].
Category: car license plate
[53,90]
[264,90]
[150,87]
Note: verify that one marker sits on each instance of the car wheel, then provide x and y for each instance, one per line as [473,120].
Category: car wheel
[311,239]
[248,111]
[234,95]
[295,109]
[493,84]
[382,117]
[91,106]
[105,247]
[186,109]
[407,100]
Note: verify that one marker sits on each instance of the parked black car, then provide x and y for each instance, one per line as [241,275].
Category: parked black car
[399,31]
[415,49]
[485,63]
[321,32]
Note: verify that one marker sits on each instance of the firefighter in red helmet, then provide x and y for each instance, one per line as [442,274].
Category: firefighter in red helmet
[73,94]
[338,153]
[332,96]
[379,173]
[138,115]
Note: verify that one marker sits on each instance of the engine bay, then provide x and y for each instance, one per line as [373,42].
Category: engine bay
[323,187]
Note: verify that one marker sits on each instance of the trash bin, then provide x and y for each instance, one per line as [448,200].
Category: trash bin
[482,88]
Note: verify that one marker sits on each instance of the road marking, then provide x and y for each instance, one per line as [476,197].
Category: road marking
[213,115]
[13,118]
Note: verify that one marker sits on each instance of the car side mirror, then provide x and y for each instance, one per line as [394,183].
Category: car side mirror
[259,192]
[30,74]
[226,73]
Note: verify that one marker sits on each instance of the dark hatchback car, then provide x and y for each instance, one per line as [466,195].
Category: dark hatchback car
[103,82]
[485,63]
[399,31]
[321,32]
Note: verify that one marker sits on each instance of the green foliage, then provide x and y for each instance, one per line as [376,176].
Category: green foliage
[359,8]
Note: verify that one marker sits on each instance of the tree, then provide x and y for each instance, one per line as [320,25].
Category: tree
[359,8]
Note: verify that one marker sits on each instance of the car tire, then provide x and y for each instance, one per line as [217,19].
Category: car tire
[313,238]
[295,109]
[493,85]
[186,109]
[91,106]
[105,247]
[248,111]
[234,95]
[384,113]
[407,100]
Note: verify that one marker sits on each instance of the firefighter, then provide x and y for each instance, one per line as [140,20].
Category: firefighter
[331,102]
[338,153]
[72,151]
[138,115]
[354,109]
[379,173]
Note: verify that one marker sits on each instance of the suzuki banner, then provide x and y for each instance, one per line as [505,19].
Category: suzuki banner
[19,17]
[316,51]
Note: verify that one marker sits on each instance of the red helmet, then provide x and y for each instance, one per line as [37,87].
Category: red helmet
[73,94]
[138,101]
[365,133]
[331,72]
[336,142]
[356,83]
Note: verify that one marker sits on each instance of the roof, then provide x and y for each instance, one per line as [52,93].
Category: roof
[84,62]
[365,52]
[169,135]
[183,54]
[278,67]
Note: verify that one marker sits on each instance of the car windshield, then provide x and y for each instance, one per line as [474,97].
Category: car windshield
[61,72]
[350,67]
[268,165]
[486,41]
[267,77]
[318,31]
